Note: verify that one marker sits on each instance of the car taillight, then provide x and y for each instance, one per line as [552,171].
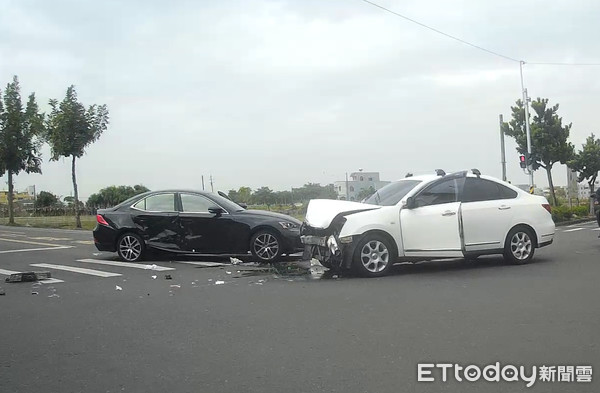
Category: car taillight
[101,220]
[547,207]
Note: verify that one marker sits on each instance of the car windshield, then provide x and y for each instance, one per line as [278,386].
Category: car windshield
[392,193]
[228,204]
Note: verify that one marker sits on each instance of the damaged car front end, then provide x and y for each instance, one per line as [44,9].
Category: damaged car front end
[322,236]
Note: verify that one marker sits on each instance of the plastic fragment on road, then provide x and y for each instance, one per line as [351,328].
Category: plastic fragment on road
[154,277]
[168,277]
[219,282]
[335,276]
[151,267]
[176,286]
[35,293]
[118,288]
[28,277]
[2,292]
[228,272]
[235,261]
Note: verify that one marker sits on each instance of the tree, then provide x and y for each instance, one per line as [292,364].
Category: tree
[549,138]
[113,195]
[263,195]
[244,195]
[46,199]
[587,163]
[71,128]
[365,193]
[20,141]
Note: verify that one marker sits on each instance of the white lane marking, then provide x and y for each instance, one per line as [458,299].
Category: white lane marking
[50,239]
[44,281]
[51,281]
[574,229]
[126,264]
[91,272]
[30,242]
[205,264]
[596,229]
[8,272]
[83,241]
[36,249]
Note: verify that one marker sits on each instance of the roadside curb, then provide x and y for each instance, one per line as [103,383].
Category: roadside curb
[579,221]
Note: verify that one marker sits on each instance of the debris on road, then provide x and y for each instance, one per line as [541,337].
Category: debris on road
[235,261]
[28,277]
[154,277]
[151,267]
[219,282]
[176,286]
[118,288]
[228,272]
[168,277]
[35,293]
[2,292]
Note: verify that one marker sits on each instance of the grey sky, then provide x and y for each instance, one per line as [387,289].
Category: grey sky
[280,93]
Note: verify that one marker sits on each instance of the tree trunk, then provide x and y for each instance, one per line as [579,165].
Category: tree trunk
[11,196]
[77,217]
[551,184]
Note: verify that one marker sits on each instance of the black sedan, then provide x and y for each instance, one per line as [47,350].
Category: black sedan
[193,222]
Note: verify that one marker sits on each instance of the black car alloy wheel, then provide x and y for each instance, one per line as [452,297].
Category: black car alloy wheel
[266,246]
[130,247]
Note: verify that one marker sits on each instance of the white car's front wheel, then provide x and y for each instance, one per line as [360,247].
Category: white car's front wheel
[373,256]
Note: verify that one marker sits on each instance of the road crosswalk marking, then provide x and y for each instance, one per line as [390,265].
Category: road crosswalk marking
[574,229]
[91,272]
[127,264]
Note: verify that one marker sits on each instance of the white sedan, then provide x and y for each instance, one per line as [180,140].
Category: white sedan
[459,215]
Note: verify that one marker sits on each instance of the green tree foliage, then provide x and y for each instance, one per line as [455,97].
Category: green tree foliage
[313,191]
[20,142]
[263,196]
[364,193]
[549,138]
[71,128]
[46,199]
[587,163]
[113,195]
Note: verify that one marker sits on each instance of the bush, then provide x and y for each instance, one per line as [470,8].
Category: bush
[565,213]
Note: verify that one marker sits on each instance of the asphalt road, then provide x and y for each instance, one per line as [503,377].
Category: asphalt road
[288,330]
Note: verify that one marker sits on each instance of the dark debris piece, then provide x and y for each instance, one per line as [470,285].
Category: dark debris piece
[28,277]
[168,277]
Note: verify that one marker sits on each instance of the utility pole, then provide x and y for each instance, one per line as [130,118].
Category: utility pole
[502,151]
[347,193]
[527,129]
[202,182]
[211,184]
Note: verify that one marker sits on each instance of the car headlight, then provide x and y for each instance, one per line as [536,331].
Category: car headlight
[288,225]
[346,239]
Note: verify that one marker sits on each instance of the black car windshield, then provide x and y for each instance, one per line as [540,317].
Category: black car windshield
[228,204]
[392,193]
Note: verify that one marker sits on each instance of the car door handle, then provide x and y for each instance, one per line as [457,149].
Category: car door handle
[448,213]
[504,207]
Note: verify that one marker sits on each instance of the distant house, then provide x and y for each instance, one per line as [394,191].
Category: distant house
[358,181]
[18,196]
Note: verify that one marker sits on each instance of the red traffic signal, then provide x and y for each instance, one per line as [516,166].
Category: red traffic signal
[523,161]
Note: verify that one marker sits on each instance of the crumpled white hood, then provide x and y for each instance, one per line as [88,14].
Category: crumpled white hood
[321,212]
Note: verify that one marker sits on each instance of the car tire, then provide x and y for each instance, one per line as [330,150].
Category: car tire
[130,247]
[266,246]
[373,256]
[519,246]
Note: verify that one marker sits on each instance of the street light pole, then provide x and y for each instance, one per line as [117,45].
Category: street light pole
[527,128]
[502,150]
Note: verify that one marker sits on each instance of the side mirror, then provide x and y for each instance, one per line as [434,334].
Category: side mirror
[216,210]
[410,202]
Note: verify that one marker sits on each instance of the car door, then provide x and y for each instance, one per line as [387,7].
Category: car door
[430,226]
[487,214]
[157,219]
[202,231]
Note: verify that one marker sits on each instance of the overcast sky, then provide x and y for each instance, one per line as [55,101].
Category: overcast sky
[281,93]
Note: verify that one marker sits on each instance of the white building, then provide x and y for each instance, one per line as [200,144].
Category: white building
[358,181]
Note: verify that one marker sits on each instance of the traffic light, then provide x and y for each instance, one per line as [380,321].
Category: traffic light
[523,161]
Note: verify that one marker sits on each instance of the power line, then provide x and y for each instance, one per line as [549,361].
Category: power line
[441,32]
[473,45]
[563,64]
